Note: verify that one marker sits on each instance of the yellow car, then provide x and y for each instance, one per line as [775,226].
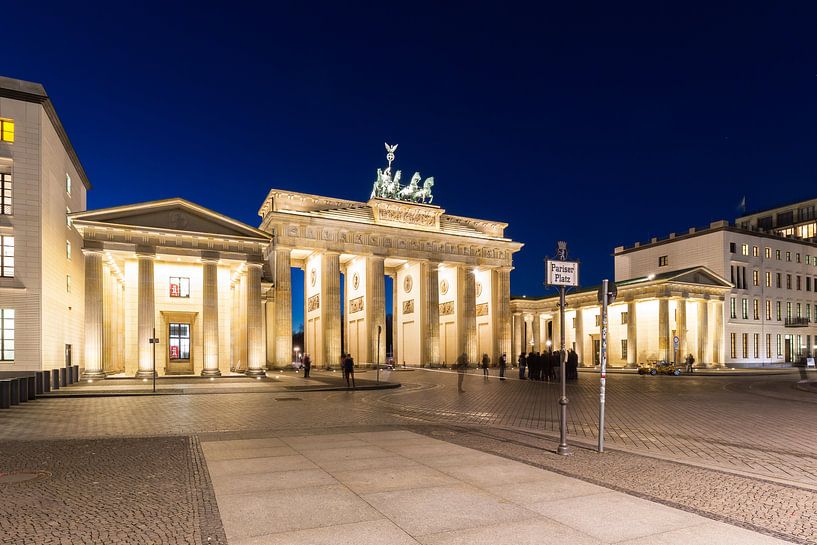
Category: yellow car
[658,368]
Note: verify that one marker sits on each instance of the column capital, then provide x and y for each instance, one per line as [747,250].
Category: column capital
[145,252]
[210,257]
[92,251]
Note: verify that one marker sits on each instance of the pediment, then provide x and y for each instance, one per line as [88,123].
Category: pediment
[172,215]
[700,275]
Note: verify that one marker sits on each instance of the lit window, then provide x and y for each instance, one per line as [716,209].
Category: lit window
[797,257]
[799,310]
[662,261]
[732,312]
[788,311]
[745,345]
[6,130]
[768,253]
[744,306]
[7,334]
[768,279]
[179,286]
[598,320]
[68,184]
[67,216]
[624,349]
[768,345]
[744,249]
[755,251]
[68,283]
[625,316]
[732,348]
[179,344]
[777,254]
[755,277]
[757,345]
[68,249]
[7,257]
[5,193]
[779,311]
[779,345]
[788,256]
[756,309]
[768,310]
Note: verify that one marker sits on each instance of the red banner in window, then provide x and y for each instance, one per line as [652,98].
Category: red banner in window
[175,290]
[174,352]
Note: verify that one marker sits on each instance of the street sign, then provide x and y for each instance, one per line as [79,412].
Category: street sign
[612,292]
[676,342]
[562,273]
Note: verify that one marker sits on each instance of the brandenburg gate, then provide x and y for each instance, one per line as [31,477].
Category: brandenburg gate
[451,276]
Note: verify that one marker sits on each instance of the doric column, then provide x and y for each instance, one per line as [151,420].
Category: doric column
[330,307]
[580,336]
[632,335]
[430,303]
[283,308]
[469,312]
[209,315]
[395,329]
[255,335]
[375,307]
[663,328]
[537,332]
[93,313]
[146,313]
[703,333]
[235,353]
[517,336]
[501,292]
[717,333]
[681,329]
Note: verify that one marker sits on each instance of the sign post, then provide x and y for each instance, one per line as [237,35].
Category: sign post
[676,342]
[378,354]
[564,274]
[606,297]
[154,341]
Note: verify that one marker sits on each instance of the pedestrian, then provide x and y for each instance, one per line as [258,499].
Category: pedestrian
[531,365]
[690,361]
[307,365]
[557,364]
[349,371]
[522,363]
[462,365]
[503,362]
[486,361]
[547,361]
[572,365]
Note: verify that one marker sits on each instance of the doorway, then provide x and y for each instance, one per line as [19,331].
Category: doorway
[179,361]
[788,349]
[597,352]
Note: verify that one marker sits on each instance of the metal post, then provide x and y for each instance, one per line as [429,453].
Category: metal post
[602,390]
[378,354]
[153,340]
[563,448]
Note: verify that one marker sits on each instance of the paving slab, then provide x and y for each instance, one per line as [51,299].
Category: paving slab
[260,513]
[398,487]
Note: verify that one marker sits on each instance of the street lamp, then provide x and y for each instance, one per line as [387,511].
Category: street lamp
[297,353]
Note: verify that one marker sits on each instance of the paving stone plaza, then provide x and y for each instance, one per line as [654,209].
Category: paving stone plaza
[689,460]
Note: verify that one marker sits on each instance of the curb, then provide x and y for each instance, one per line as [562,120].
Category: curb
[288,389]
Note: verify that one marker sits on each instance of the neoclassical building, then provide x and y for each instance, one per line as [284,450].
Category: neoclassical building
[177,288]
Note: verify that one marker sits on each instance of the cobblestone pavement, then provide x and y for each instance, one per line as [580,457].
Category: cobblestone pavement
[111,491]
[758,429]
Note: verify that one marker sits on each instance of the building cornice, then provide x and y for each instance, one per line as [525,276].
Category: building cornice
[27,91]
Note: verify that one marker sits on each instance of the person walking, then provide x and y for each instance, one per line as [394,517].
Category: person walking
[572,365]
[349,371]
[462,366]
[486,361]
[503,362]
[307,365]
[522,363]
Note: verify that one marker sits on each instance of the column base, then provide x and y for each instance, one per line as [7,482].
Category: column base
[146,373]
[93,375]
[211,373]
[256,373]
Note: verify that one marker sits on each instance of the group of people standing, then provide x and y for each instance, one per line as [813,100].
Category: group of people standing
[545,365]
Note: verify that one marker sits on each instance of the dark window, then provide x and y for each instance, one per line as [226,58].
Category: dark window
[662,261]
[799,286]
[5,193]
[765,223]
[785,218]
[777,279]
[788,281]
[808,283]
[6,334]
[733,247]
[624,349]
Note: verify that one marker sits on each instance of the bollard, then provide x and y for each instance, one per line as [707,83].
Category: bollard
[15,391]
[22,389]
[63,377]
[55,379]
[46,381]
[39,380]
[31,383]
[5,394]
[76,373]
